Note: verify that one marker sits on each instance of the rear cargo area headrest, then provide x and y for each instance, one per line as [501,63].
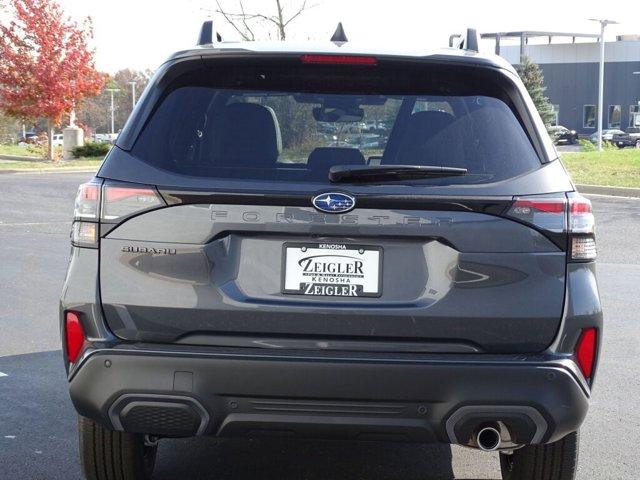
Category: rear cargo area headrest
[250,134]
[323,158]
[431,138]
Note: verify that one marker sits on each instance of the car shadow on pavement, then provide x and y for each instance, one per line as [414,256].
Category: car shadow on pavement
[278,459]
[38,439]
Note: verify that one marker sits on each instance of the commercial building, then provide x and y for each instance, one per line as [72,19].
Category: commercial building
[570,65]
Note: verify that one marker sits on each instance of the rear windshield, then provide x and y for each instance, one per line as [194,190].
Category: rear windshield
[297,135]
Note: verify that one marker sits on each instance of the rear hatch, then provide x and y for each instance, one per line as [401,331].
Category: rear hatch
[221,225]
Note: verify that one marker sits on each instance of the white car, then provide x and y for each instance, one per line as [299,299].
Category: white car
[607,135]
[105,137]
[57,140]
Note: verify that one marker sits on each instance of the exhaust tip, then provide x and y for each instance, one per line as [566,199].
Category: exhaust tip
[488,439]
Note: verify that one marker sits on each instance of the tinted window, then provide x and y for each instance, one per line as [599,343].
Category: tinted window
[589,116]
[276,135]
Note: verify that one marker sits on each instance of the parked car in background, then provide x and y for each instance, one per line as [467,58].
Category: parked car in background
[560,134]
[30,138]
[626,140]
[105,138]
[366,140]
[607,135]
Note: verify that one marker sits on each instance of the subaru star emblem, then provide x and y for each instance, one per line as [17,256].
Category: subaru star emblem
[334,202]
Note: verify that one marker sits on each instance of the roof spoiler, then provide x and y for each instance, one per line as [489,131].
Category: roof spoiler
[206,34]
[470,41]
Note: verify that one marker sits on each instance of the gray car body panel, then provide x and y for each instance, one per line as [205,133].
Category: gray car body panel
[480,279]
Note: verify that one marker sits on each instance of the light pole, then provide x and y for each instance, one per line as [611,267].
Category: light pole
[133,95]
[112,91]
[636,116]
[603,24]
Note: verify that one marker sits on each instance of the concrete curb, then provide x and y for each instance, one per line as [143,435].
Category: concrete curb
[611,191]
[35,171]
[19,158]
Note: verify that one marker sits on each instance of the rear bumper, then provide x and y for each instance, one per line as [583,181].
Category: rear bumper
[428,398]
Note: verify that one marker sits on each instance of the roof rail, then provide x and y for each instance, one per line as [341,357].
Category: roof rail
[470,41]
[206,33]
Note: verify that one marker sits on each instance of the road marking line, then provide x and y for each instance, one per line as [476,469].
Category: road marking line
[29,224]
[604,195]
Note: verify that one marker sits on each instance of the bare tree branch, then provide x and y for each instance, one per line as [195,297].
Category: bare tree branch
[281,30]
[241,21]
[245,23]
[227,17]
[303,8]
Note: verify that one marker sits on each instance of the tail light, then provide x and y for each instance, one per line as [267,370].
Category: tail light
[586,349]
[87,201]
[546,213]
[74,336]
[582,228]
[121,200]
[560,214]
[108,203]
[84,232]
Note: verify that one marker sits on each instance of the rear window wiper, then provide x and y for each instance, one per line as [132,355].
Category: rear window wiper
[389,173]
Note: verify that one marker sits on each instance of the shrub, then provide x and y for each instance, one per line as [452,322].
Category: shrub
[586,145]
[91,149]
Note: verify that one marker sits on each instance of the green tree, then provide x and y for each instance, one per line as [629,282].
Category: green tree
[95,113]
[10,129]
[533,79]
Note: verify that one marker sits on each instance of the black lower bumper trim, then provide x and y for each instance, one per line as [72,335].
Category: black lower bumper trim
[379,399]
[168,415]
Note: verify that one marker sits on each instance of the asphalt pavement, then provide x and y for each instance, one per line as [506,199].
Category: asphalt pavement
[38,424]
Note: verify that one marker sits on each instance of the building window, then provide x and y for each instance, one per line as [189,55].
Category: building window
[589,113]
[615,116]
[556,115]
[634,116]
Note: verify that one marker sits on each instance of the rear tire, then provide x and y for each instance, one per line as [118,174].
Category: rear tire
[555,461]
[110,455]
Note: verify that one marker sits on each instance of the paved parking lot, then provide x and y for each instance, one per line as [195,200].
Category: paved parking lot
[37,422]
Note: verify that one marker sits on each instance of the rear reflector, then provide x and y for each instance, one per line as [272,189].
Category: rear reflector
[586,351]
[74,335]
[339,59]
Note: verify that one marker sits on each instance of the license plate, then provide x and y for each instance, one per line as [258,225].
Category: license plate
[332,270]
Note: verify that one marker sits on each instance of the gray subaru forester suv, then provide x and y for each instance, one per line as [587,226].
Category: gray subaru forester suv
[327,241]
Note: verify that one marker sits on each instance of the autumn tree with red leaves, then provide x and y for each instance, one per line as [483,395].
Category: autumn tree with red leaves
[46,64]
